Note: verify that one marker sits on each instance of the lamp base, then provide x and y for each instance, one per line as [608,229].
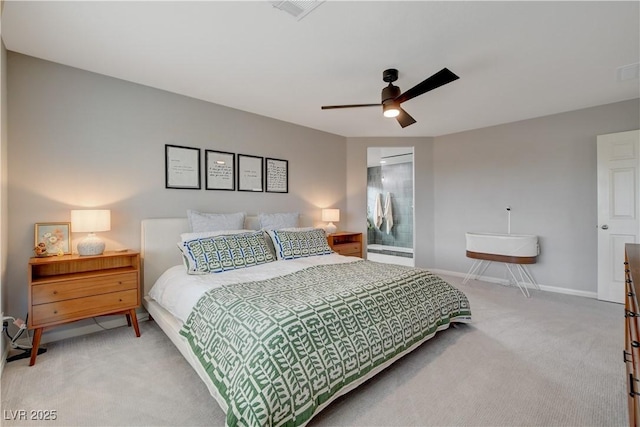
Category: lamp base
[330,228]
[91,245]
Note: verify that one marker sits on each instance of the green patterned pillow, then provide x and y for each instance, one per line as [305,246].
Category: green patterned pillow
[229,252]
[299,244]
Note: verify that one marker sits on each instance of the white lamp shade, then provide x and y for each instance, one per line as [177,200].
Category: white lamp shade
[330,215]
[91,220]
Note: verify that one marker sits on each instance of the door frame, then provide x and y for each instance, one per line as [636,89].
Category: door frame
[618,154]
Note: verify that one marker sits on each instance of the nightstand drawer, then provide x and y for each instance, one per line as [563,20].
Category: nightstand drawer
[81,308]
[349,249]
[83,287]
[346,243]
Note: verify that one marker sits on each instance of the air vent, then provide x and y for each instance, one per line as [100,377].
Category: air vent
[628,72]
[298,9]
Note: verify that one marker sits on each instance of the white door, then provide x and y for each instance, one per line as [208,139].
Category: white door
[618,215]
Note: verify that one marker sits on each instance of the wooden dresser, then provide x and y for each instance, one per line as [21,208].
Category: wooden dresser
[632,330]
[68,288]
[346,243]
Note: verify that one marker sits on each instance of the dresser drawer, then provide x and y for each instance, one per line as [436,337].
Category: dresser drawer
[349,249]
[80,308]
[83,287]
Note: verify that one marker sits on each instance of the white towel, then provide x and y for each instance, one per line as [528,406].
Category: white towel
[377,211]
[388,212]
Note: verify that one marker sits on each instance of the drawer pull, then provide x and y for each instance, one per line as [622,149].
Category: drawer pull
[120,299]
[632,391]
[55,292]
[55,311]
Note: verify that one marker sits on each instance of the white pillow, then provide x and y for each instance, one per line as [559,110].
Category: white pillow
[191,236]
[200,221]
[297,229]
[277,221]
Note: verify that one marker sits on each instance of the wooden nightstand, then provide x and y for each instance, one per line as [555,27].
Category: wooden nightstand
[67,288]
[346,243]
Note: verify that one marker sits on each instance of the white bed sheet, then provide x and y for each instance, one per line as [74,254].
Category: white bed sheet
[178,292]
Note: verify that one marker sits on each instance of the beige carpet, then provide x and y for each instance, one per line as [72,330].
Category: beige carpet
[551,360]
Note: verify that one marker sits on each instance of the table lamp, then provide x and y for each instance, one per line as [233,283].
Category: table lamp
[330,215]
[90,221]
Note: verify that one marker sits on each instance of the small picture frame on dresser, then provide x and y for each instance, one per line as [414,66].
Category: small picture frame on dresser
[52,238]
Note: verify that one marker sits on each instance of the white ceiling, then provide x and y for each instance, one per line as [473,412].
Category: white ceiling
[516,60]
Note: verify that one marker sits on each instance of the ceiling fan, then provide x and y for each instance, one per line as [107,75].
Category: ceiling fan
[392,98]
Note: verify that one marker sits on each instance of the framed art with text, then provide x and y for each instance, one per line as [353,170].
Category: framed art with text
[221,170]
[182,167]
[250,173]
[277,175]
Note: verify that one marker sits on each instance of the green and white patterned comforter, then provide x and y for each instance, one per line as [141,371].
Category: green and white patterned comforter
[278,350]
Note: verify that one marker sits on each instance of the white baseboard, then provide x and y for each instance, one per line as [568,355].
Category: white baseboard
[4,344]
[110,322]
[4,348]
[556,289]
[82,328]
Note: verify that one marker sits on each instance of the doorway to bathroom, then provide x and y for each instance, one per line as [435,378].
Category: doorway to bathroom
[390,206]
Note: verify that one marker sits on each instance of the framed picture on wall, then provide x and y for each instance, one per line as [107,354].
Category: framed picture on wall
[52,238]
[277,175]
[221,170]
[182,167]
[250,173]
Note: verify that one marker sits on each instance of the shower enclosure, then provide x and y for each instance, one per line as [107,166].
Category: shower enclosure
[390,204]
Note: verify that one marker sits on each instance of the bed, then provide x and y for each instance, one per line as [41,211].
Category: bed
[277,342]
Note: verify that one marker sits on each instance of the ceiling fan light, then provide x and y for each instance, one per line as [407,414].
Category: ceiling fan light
[390,110]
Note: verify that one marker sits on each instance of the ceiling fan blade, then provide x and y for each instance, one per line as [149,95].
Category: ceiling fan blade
[331,107]
[440,78]
[405,119]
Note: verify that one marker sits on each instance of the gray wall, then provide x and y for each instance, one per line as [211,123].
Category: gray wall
[545,169]
[79,139]
[4,218]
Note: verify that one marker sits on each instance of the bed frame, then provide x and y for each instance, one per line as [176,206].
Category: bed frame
[158,249]
[159,237]
[159,252]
